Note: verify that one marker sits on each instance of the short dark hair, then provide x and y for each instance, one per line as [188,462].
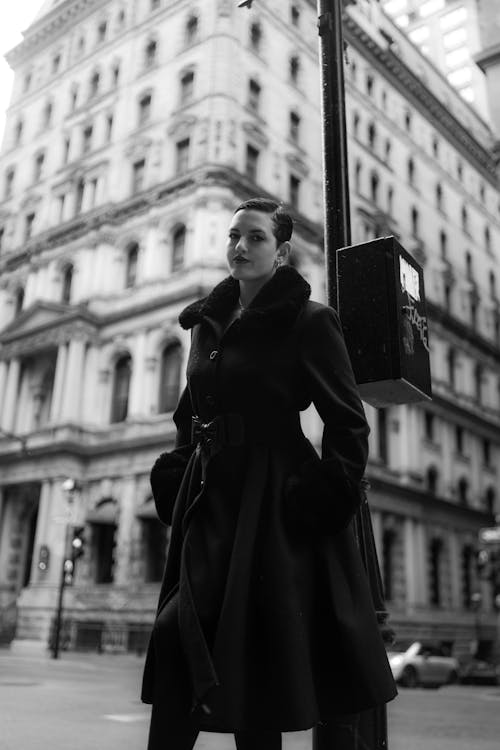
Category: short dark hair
[282,221]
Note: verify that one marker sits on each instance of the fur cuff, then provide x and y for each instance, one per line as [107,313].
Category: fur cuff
[166,477]
[321,498]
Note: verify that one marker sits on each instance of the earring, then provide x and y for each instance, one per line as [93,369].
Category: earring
[278,262]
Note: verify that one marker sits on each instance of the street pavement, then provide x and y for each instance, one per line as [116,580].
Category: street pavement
[90,702]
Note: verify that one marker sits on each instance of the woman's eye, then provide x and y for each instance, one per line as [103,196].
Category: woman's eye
[256,238]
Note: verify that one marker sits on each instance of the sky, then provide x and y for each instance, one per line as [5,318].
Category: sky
[15,17]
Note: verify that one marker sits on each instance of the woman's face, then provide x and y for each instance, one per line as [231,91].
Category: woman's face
[252,247]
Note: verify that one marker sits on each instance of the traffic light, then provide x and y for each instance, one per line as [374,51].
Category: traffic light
[77,542]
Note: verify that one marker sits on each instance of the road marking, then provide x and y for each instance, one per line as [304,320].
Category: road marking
[126,718]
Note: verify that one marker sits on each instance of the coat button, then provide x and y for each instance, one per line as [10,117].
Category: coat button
[210,400]
[213,354]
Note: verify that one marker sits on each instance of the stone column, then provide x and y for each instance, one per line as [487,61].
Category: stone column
[124,532]
[11,393]
[72,397]
[137,395]
[55,406]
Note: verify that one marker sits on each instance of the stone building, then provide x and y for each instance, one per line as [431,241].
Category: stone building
[134,130]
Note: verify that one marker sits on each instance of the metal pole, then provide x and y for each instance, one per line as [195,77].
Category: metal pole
[60,598]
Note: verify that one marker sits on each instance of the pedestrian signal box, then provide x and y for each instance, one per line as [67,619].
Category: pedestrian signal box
[382,311]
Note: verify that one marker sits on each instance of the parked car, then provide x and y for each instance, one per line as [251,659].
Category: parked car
[425,663]
[479,672]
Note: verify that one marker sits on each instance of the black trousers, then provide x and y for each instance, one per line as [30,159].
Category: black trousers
[183,736]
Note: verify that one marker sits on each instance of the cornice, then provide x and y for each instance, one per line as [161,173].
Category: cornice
[52,24]
[463,332]
[413,88]
[464,417]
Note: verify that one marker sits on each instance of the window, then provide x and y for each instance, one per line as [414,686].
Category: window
[67,281]
[486,444]
[465,220]
[355,125]
[9,182]
[451,365]
[121,385]
[101,32]
[191,31]
[374,186]
[56,63]
[182,156]
[47,115]
[120,20]
[256,36]
[415,222]
[145,109]
[61,201]
[429,424]
[478,383]
[80,189]
[92,190]
[493,285]
[490,500]
[187,86]
[390,199]
[66,149]
[388,543]
[94,84]
[155,4]
[468,266]
[439,196]
[27,82]
[408,121]
[294,126]
[178,247]
[432,477]
[2,235]
[372,135]
[294,69]
[253,94]
[459,439]
[109,127]
[138,172]
[357,176]
[80,47]
[487,240]
[443,244]
[18,301]
[463,491]
[435,148]
[294,15]
[29,222]
[87,139]
[382,440]
[38,168]
[150,54]
[103,543]
[460,170]
[73,98]
[18,132]
[411,171]
[251,163]
[369,84]
[447,296]
[294,190]
[388,149]
[436,550]
[170,372]
[115,73]
[132,258]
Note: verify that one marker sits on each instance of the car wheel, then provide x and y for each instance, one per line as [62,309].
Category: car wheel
[409,678]
[452,677]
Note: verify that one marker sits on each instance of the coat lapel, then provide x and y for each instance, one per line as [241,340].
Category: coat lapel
[273,310]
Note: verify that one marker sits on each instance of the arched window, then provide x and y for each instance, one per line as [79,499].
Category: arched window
[95,81]
[178,247]
[431,477]
[463,491]
[150,53]
[144,108]
[374,185]
[372,135]
[18,301]
[121,386]
[256,36]
[191,29]
[436,551]
[170,372]
[294,68]
[388,542]
[67,281]
[294,126]
[187,86]
[131,267]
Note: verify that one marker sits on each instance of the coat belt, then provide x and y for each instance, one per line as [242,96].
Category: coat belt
[238,429]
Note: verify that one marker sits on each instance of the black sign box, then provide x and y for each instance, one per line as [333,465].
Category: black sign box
[382,310]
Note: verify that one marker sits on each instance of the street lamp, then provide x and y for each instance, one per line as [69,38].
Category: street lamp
[70,554]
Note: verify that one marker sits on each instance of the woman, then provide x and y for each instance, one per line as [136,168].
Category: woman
[265,622]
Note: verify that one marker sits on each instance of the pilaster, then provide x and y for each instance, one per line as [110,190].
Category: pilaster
[55,406]
[412,572]
[137,396]
[454,570]
[11,394]
[72,397]
[124,532]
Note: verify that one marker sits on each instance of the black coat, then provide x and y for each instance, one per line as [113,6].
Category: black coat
[276,619]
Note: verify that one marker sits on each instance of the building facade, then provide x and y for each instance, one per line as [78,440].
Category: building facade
[133,132]
[448,34]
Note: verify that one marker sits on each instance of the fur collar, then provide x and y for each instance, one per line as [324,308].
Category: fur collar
[276,305]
